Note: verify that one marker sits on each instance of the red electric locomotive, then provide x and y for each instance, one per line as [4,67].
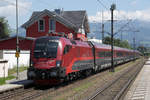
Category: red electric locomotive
[55,58]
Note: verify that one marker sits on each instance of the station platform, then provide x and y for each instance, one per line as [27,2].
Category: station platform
[8,87]
[140,89]
[16,85]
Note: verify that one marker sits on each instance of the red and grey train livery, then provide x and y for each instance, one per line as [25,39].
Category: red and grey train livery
[55,58]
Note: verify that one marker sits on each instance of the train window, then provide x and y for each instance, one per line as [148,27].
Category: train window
[45,49]
[107,53]
[101,54]
[104,54]
[73,42]
[119,54]
[67,49]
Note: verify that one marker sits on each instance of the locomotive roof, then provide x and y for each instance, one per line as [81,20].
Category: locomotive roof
[81,43]
[49,37]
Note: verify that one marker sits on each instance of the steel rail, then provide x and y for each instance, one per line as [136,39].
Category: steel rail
[123,90]
[38,93]
[99,91]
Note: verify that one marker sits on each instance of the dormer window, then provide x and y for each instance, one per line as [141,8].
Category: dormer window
[41,25]
[52,25]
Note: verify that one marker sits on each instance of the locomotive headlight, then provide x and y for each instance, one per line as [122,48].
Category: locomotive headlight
[31,74]
[58,63]
[31,63]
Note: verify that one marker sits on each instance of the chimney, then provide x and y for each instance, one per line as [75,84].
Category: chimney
[58,11]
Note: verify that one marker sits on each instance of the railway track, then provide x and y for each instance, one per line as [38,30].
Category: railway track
[111,88]
[29,93]
[14,92]
[35,94]
[26,94]
[117,87]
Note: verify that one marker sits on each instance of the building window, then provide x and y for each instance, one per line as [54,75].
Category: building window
[52,25]
[41,25]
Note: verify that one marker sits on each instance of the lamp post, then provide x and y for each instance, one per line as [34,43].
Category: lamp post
[102,28]
[113,7]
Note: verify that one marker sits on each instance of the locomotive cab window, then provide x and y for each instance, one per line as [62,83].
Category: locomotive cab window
[45,49]
[67,49]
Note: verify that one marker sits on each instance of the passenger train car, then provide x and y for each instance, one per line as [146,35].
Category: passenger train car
[55,58]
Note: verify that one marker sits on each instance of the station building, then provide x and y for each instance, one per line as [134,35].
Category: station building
[44,23]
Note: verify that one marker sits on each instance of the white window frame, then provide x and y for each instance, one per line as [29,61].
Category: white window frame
[50,25]
[43,25]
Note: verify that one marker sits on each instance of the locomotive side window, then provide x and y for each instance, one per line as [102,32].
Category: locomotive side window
[73,42]
[67,49]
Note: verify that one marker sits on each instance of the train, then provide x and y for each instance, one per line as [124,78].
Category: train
[55,59]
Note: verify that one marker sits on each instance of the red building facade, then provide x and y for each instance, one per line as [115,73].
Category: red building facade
[45,22]
[32,31]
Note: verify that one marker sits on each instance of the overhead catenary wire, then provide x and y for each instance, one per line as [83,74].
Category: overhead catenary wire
[103,5]
[14,4]
[43,2]
[121,28]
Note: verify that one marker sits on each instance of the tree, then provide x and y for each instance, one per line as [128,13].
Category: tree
[125,44]
[107,40]
[4,28]
[142,49]
[117,42]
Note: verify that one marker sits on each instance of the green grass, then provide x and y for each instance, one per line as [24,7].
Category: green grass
[14,69]
[3,80]
[10,72]
[83,87]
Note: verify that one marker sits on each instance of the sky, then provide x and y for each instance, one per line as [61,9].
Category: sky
[125,9]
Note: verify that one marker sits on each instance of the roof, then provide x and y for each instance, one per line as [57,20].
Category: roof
[25,43]
[78,18]
[27,38]
[71,19]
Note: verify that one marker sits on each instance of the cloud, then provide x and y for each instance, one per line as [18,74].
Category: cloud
[122,15]
[8,8]
[3,3]
[134,3]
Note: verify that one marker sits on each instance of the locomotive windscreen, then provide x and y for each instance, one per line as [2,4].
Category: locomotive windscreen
[45,48]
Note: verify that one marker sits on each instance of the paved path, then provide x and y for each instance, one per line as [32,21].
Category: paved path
[140,90]
[22,76]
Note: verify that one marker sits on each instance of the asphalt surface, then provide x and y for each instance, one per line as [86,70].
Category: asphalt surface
[22,76]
